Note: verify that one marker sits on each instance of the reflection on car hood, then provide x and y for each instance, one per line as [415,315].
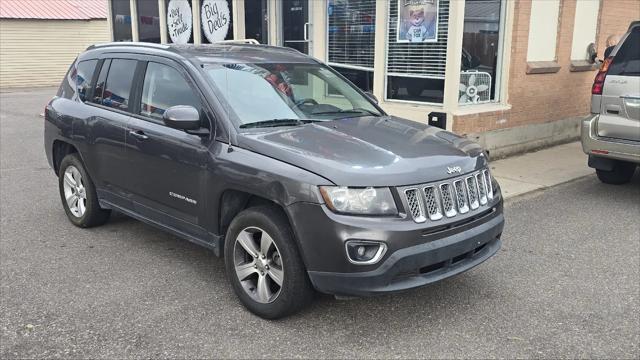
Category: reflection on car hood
[368,151]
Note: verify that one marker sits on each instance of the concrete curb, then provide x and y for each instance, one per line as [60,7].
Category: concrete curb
[540,170]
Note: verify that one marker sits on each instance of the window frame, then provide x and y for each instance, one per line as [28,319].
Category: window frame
[131,89]
[502,34]
[92,79]
[138,22]
[387,73]
[350,66]
[112,16]
[102,60]
[205,108]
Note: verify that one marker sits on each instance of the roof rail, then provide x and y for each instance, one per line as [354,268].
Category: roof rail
[239,41]
[129,43]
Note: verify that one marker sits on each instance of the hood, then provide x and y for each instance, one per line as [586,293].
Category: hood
[368,151]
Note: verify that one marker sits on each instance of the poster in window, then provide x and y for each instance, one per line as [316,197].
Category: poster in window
[179,21]
[216,17]
[417,21]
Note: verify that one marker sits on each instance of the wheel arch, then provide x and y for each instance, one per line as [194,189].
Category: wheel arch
[60,149]
[233,201]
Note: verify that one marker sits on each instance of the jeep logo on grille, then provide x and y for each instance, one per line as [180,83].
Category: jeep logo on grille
[454,169]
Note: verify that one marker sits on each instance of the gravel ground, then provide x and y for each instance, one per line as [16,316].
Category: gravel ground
[565,284]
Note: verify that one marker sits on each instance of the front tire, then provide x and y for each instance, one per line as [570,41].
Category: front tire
[263,263]
[78,194]
[621,174]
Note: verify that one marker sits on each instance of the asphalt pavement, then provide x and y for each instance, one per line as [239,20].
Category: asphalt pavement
[565,284]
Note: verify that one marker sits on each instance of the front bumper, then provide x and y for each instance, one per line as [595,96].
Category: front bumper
[417,255]
[594,145]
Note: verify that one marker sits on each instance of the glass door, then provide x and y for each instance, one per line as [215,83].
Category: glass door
[294,25]
[256,20]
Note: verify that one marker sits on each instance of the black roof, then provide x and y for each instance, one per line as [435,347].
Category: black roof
[211,53]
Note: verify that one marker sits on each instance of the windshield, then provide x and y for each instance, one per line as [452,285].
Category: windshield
[268,94]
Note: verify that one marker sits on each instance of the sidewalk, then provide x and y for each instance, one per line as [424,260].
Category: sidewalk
[541,169]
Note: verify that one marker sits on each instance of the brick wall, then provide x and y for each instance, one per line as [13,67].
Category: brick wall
[539,98]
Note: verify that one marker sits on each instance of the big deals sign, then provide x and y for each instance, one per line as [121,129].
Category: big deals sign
[216,19]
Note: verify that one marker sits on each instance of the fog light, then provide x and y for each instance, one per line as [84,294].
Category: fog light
[363,252]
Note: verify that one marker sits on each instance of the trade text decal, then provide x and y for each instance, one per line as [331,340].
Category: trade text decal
[179,21]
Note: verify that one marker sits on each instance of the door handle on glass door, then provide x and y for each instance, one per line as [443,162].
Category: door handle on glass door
[306,31]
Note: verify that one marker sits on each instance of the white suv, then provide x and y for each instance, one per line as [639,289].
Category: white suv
[611,134]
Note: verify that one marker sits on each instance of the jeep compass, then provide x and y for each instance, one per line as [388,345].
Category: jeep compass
[274,161]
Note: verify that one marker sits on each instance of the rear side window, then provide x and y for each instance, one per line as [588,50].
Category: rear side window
[117,89]
[626,62]
[163,88]
[66,90]
[84,75]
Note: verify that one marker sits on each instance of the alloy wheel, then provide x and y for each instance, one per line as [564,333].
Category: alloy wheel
[258,265]
[75,193]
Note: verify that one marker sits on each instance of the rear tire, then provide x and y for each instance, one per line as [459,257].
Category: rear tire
[621,174]
[78,194]
[260,252]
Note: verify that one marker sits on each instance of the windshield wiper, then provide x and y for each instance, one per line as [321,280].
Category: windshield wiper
[276,123]
[349,111]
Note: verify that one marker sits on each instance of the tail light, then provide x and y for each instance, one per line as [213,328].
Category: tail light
[598,82]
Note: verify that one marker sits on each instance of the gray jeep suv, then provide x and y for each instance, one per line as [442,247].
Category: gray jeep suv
[611,135]
[274,161]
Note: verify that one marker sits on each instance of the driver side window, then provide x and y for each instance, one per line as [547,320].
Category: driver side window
[163,88]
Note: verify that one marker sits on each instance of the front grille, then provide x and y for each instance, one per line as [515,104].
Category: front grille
[415,204]
[482,189]
[432,203]
[488,183]
[472,190]
[461,197]
[449,198]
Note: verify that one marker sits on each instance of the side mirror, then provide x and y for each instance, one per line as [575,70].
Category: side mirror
[183,117]
[371,97]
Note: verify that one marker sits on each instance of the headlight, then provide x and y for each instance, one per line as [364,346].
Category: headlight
[360,201]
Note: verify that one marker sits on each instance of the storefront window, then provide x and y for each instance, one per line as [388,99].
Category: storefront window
[180,21]
[417,50]
[217,20]
[121,12]
[148,21]
[351,35]
[480,51]
[256,25]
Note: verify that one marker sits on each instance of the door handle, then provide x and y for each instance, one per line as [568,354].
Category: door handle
[613,109]
[138,134]
[306,32]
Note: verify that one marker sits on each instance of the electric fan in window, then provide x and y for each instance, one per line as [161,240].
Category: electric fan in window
[475,87]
